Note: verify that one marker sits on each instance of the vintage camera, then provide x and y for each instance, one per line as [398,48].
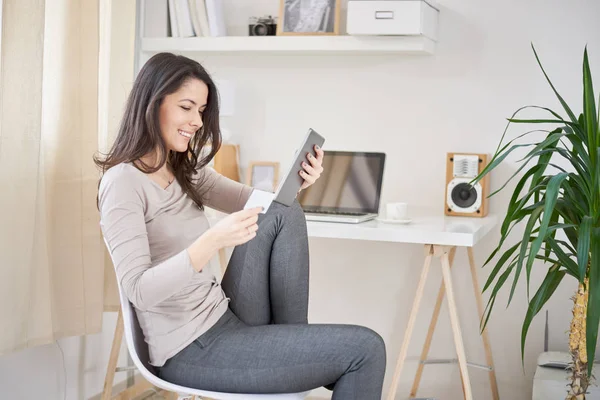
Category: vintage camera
[262,26]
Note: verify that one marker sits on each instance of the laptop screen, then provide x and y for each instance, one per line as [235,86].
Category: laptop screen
[350,182]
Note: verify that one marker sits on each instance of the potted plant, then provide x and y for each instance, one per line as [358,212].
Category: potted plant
[566,200]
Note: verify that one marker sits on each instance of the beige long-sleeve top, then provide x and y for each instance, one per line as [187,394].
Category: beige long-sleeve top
[148,230]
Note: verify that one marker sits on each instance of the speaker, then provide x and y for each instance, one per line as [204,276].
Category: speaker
[463,199]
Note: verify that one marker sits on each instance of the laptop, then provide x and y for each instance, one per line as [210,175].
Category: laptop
[348,190]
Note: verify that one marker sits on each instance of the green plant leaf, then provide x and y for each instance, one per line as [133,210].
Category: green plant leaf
[583,247]
[573,158]
[596,188]
[562,101]
[567,213]
[486,314]
[589,108]
[575,130]
[582,186]
[517,211]
[551,234]
[541,151]
[593,309]
[502,152]
[498,267]
[515,174]
[573,198]
[524,245]
[488,309]
[496,160]
[544,292]
[514,205]
[598,119]
[543,161]
[550,200]
[543,121]
[499,149]
[567,245]
[555,114]
[564,259]
[579,149]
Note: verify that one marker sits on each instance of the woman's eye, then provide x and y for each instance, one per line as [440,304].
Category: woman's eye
[186,108]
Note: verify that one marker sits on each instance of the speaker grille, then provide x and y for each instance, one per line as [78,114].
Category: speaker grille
[464,195]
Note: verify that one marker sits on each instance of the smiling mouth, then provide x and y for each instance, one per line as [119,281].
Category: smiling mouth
[186,134]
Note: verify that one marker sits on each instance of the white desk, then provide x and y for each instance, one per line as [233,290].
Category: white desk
[435,230]
[441,236]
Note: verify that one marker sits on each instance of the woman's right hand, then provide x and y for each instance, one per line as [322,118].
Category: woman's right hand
[237,228]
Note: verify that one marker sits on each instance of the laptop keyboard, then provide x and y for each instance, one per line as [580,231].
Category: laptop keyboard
[354,214]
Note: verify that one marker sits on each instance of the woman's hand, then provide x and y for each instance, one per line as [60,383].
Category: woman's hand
[236,228]
[312,171]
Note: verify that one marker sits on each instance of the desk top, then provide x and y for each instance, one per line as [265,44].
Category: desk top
[432,229]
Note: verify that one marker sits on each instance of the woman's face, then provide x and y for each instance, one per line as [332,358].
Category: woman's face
[180,114]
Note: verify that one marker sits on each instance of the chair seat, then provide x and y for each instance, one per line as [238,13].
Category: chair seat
[153,379]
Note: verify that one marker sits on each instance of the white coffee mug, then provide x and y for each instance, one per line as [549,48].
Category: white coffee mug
[397,211]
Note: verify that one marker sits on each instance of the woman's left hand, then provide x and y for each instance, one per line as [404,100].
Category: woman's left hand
[313,168]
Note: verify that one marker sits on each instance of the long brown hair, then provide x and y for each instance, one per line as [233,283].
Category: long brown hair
[139,131]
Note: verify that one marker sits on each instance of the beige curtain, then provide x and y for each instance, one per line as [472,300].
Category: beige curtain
[51,251]
[117,75]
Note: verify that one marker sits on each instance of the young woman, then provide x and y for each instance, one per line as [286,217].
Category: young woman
[249,334]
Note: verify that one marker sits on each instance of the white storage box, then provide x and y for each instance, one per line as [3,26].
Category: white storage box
[392,17]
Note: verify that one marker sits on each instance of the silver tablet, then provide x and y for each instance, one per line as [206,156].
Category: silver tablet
[290,184]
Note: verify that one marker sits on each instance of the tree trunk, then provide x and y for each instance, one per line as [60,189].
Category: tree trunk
[577,346]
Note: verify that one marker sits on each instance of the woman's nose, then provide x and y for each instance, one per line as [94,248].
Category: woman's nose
[197,122]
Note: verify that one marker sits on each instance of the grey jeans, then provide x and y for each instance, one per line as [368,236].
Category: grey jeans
[263,343]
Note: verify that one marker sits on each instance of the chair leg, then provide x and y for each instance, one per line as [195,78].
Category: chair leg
[114,358]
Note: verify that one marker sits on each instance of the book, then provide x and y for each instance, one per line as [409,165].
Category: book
[199,18]
[173,19]
[216,18]
[184,18]
[156,20]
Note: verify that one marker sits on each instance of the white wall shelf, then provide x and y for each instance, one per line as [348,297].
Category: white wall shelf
[291,45]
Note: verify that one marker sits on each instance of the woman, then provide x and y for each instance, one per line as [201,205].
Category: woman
[249,334]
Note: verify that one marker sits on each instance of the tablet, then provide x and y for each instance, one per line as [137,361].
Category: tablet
[292,181]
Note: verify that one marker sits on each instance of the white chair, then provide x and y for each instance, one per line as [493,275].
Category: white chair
[138,350]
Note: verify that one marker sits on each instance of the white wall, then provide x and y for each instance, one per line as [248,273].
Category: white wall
[415,108]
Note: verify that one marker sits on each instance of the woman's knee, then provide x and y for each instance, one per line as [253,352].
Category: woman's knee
[375,343]
[292,213]
[296,210]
